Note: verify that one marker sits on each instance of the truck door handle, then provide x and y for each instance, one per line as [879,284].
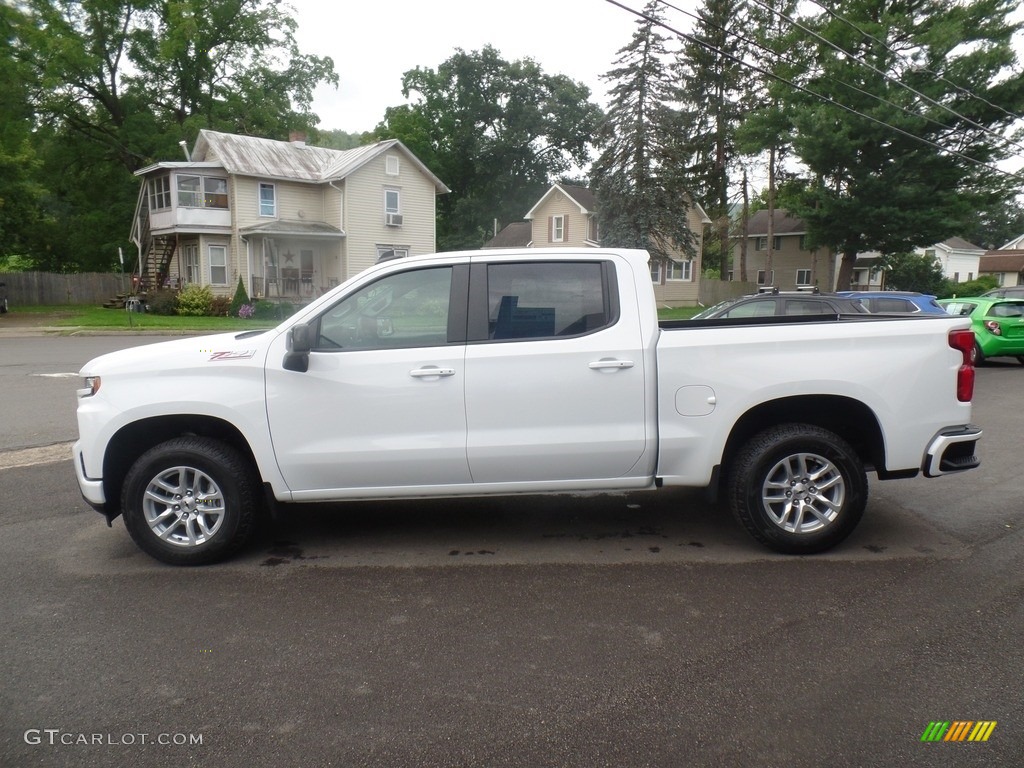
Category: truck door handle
[423,373]
[603,364]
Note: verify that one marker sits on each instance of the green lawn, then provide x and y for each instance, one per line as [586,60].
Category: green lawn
[94,317]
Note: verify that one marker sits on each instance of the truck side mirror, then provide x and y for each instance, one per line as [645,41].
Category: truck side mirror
[299,343]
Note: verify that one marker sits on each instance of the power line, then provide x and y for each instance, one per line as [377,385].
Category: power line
[898,55]
[855,88]
[809,92]
[887,76]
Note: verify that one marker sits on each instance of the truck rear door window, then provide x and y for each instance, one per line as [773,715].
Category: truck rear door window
[548,299]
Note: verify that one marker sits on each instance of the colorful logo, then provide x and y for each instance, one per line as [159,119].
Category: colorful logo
[959,730]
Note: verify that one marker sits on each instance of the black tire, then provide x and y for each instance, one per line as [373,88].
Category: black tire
[190,501]
[1020,359]
[979,356]
[790,459]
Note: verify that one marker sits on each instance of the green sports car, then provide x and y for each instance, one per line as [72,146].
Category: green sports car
[998,324]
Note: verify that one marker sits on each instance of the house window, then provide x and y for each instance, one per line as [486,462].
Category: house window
[803,277]
[391,165]
[191,252]
[761,277]
[218,264]
[679,270]
[160,193]
[268,200]
[656,272]
[388,252]
[202,191]
[558,229]
[762,243]
[392,201]
[593,231]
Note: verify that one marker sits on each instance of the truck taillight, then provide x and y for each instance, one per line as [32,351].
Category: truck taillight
[964,341]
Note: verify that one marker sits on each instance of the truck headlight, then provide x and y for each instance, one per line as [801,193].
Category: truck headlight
[92,386]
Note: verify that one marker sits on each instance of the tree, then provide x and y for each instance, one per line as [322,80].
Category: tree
[495,132]
[901,121]
[913,272]
[118,83]
[714,90]
[639,176]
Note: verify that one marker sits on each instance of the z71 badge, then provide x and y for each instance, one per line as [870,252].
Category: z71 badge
[243,354]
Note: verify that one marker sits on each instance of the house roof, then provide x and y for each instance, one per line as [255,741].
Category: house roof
[784,224]
[587,200]
[581,196]
[295,160]
[518,234]
[1002,261]
[301,228]
[959,244]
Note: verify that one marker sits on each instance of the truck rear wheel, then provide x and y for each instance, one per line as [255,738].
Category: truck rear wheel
[190,501]
[798,488]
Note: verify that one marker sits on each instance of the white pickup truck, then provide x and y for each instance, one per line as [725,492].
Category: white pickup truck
[529,371]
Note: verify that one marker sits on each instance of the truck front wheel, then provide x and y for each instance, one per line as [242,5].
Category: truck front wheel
[190,501]
[798,488]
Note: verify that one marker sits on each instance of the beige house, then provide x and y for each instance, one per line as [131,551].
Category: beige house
[566,215]
[1007,266]
[793,266]
[291,220]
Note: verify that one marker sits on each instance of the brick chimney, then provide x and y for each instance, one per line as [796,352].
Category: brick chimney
[297,137]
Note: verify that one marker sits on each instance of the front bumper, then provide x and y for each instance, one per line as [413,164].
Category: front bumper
[92,490]
[952,450]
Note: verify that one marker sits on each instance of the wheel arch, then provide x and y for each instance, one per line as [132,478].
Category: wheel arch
[134,439]
[851,419]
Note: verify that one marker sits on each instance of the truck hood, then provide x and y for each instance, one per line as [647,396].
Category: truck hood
[189,352]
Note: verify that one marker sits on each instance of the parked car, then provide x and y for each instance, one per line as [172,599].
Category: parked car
[1014,291]
[783,303]
[998,325]
[898,302]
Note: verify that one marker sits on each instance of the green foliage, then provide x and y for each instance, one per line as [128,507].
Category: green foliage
[272,310]
[889,167]
[195,300]
[974,287]
[221,307]
[241,297]
[162,302]
[100,88]
[495,132]
[914,272]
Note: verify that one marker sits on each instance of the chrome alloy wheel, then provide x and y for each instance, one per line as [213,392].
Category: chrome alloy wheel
[803,493]
[183,506]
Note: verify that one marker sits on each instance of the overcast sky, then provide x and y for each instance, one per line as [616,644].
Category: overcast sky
[374,43]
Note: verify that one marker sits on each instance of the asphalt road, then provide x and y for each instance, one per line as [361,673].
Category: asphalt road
[632,630]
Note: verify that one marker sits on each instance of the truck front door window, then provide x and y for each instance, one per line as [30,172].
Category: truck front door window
[407,309]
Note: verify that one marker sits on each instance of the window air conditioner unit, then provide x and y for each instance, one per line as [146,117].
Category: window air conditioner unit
[393,219]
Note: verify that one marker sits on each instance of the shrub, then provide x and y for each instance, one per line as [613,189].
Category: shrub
[162,302]
[195,300]
[220,306]
[247,311]
[272,310]
[240,298]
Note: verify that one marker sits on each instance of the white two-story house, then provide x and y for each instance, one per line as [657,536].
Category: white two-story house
[290,219]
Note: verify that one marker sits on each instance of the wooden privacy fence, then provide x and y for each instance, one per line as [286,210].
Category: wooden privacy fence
[29,288]
[714,291]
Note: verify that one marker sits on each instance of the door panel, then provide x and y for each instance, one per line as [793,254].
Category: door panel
[382,403]
[557,391]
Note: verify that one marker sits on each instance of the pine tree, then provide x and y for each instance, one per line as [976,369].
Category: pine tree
[638,177]
[715,94]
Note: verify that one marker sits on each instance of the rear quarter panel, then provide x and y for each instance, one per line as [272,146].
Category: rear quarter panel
[902,369]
